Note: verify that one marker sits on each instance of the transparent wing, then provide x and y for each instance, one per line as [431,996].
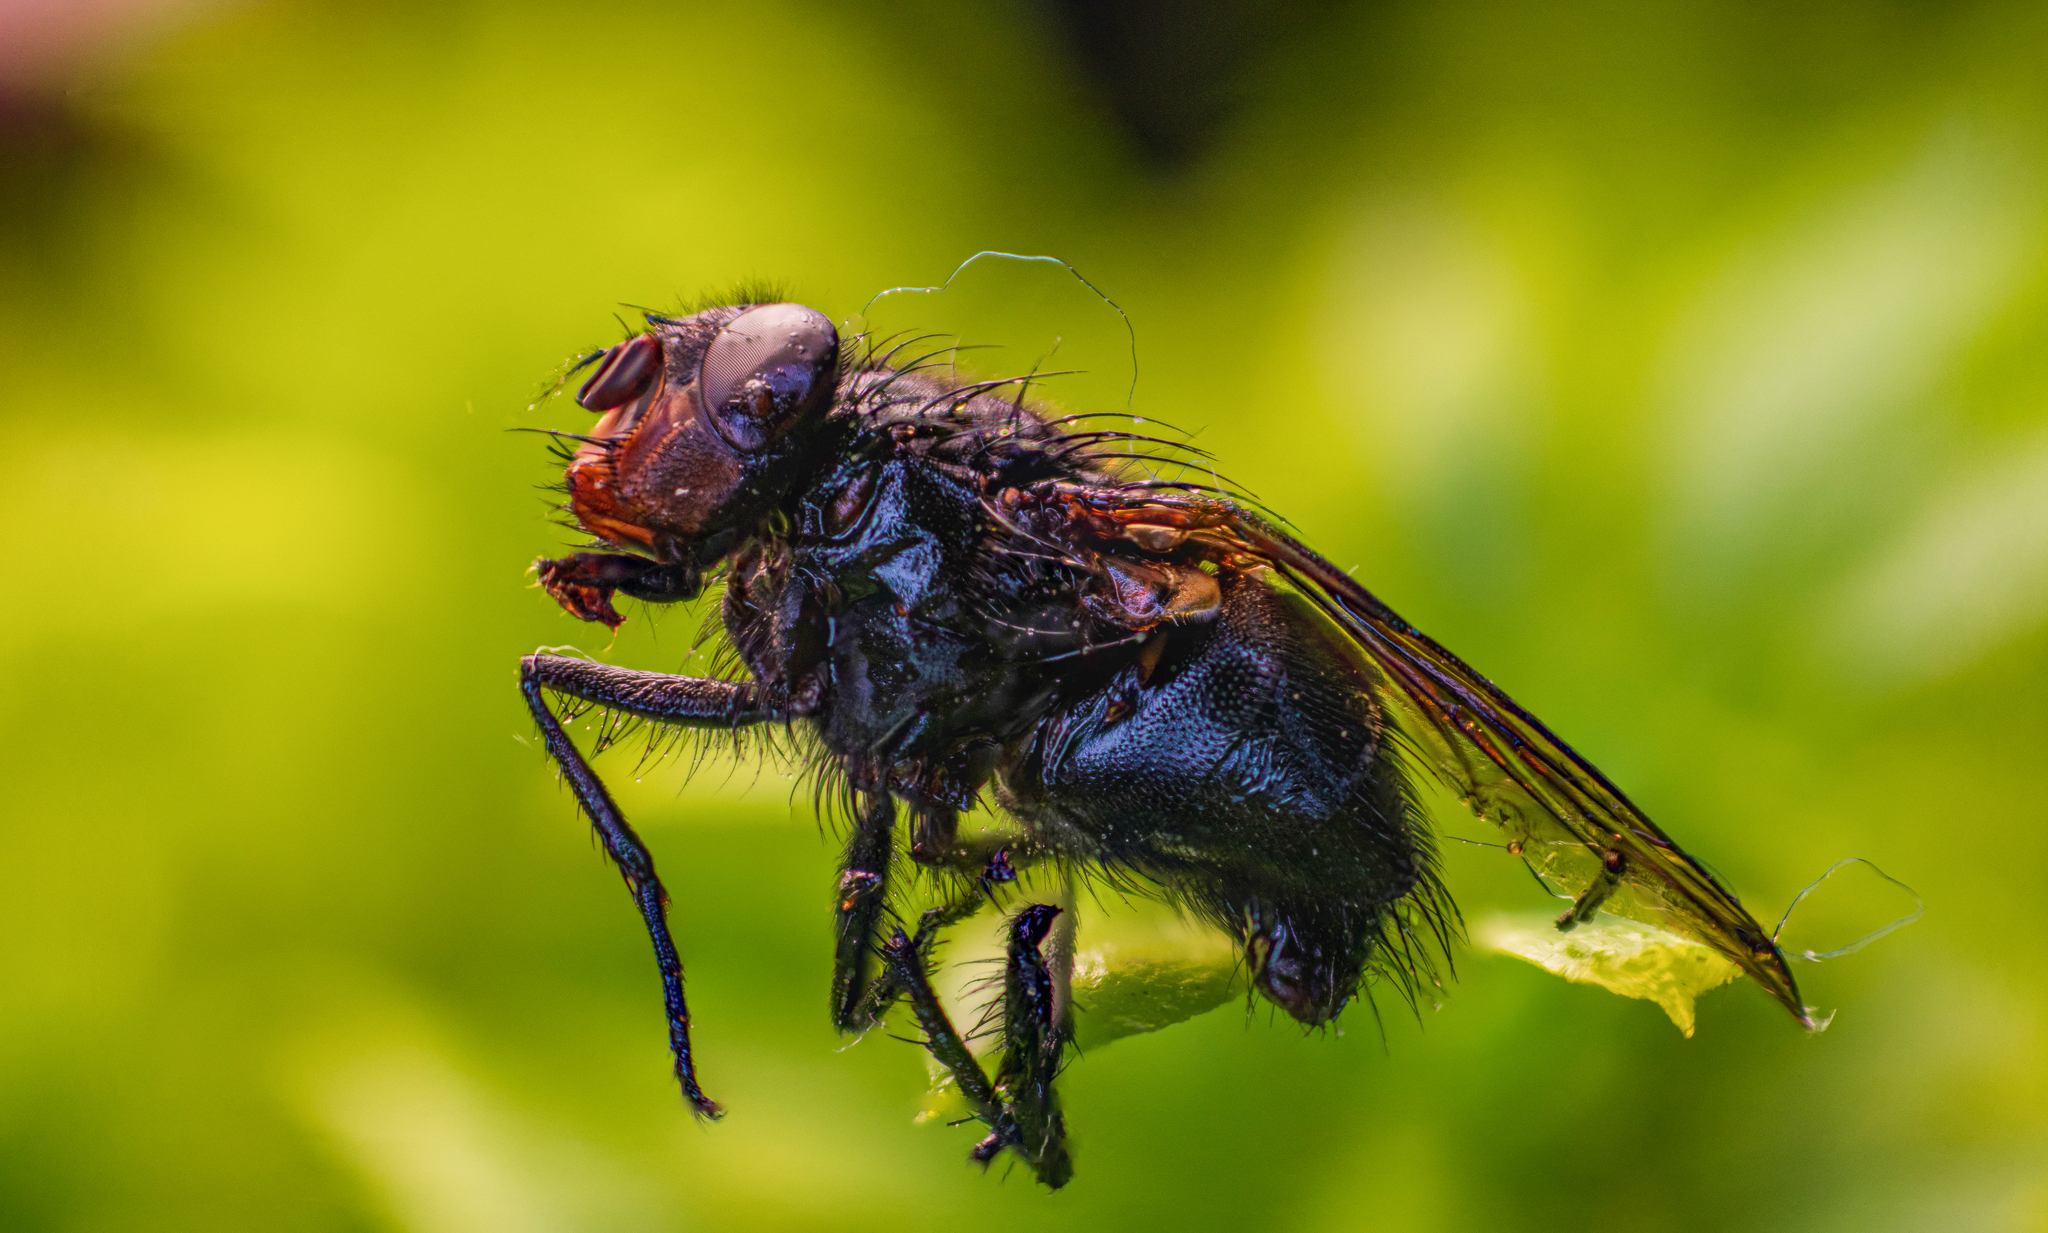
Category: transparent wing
[1577,830]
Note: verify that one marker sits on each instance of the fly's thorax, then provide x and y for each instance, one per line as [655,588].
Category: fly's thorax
[707,423]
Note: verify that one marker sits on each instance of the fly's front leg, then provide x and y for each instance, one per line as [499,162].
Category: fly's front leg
[684,702]
[681,701]
[863,885]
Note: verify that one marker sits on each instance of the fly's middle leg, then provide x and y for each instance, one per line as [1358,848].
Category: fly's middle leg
[863,888]
[885,989]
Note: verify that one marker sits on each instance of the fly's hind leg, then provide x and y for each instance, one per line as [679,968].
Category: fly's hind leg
[1020,1108]
[1035,1036]
[680,701]
[908,962]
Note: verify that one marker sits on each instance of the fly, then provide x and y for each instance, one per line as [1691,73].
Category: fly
[957,595]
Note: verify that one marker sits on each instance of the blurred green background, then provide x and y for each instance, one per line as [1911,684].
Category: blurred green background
[1684,365]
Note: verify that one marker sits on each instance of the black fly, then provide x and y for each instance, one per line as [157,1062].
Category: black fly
[945,592]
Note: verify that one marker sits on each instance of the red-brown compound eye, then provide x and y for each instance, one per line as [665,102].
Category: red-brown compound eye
[766,368]
[628,369]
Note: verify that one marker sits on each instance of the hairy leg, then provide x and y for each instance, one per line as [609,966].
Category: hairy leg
[983,868]
[682,701]
[1023,1113]
[885,988]
[1034,1042]
[860,996]
[863,886]
[907,961]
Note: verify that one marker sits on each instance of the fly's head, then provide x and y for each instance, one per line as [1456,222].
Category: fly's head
[707,422]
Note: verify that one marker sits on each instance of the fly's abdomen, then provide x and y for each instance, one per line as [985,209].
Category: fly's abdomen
[1247,771]
[1246,750]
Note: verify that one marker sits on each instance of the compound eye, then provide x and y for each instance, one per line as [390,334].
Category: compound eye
[768,367]
[628,369]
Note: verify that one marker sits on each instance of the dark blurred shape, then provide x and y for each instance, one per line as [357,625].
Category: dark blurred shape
[46,150]
[64,165]
[59,154]
[1172,71]
[30,120]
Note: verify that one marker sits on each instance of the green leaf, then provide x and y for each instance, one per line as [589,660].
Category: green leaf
[1620,956]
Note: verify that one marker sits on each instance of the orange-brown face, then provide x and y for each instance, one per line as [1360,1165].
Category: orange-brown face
[704,419]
